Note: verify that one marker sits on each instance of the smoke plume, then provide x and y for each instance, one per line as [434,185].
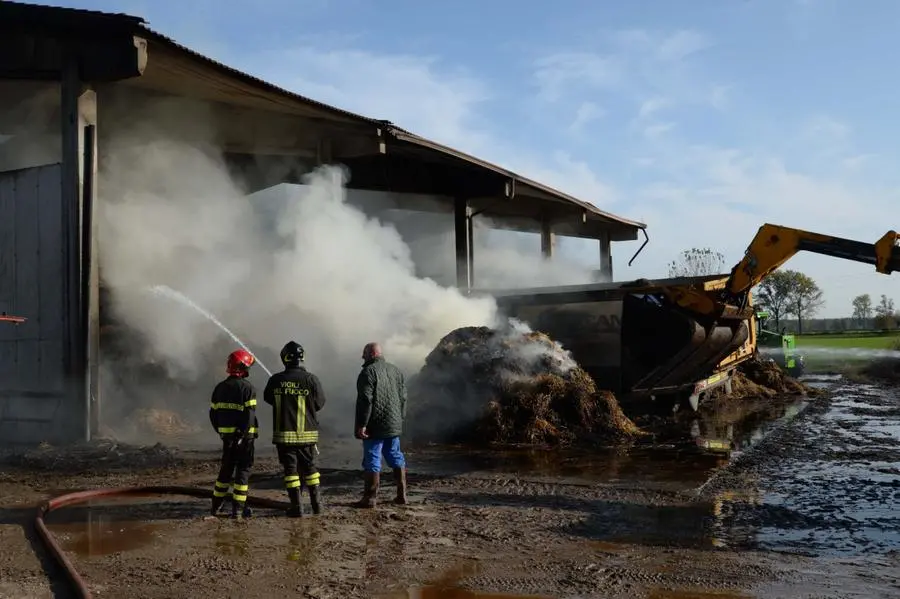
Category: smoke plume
[293,262]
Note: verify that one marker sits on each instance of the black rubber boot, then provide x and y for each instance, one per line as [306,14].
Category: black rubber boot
[236,509]
[246,512]
[216,505]
[370,492]
[400,481]
[296,510]
[314,500]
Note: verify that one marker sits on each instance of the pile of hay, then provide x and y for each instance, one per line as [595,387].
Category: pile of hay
[486,386]
[761,378]
[161,423]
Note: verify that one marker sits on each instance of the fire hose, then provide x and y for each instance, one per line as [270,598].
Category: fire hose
[74,578]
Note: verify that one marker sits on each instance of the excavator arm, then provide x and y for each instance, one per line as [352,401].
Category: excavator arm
[772,246]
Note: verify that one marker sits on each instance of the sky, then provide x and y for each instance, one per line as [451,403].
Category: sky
[702,118]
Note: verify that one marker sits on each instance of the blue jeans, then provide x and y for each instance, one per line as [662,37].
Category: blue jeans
[373,449]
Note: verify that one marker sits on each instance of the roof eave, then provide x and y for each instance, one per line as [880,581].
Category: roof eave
[407,137]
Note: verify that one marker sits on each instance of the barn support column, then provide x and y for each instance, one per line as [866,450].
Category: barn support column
[81,284]
[87,105]
[462,222]
[548,239]
[606,265]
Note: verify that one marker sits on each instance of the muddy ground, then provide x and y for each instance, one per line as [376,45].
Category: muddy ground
[804,507]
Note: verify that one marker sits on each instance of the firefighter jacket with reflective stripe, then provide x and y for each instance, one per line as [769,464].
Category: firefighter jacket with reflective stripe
[232,409]
[295,395]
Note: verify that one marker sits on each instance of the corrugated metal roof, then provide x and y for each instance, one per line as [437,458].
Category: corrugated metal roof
[68,19]
[406,136]
[56,17]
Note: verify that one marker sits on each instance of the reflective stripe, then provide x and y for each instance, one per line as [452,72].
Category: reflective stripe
[301,414]
[292,437]
[240,493]
[220,489]
[225,430]
[227,406]
[250,404]
[292,481]
[312,480]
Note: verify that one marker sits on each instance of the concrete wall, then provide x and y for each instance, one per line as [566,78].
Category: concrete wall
[33,386]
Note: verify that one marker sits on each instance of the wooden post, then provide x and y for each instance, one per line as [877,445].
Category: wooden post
[90,274]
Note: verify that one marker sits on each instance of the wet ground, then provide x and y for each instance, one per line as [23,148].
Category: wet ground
[802,506]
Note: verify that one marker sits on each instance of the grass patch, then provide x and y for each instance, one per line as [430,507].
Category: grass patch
[824,351]
[862,340]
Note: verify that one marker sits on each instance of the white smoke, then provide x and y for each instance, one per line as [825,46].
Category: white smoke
[502,259]
[293,262]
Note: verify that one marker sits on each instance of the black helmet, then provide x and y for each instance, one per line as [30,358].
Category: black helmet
[292,354]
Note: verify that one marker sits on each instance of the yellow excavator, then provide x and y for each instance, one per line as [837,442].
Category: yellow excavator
[673,340]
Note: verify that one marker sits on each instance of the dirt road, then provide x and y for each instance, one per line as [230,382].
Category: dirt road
[806,512]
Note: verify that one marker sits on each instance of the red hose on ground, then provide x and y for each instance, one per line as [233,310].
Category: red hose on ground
[78,584]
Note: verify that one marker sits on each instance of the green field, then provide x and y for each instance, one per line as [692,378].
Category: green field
[845,352]
[858,340]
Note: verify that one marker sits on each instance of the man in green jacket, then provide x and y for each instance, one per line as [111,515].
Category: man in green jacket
[380,410]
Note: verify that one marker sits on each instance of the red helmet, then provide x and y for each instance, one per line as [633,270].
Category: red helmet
[239,362]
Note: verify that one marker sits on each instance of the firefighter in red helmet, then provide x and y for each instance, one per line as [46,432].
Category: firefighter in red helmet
[232,412]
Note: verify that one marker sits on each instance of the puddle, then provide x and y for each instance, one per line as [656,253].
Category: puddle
[681,594]
[101,535]
[441,592]
[117,524]
[303,543]
[830,486]
[448,587]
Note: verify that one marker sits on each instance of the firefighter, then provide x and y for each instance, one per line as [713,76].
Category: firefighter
[296,396]
[232,412]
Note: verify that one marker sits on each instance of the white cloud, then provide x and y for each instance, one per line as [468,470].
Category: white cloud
[681,44]
[689,193]
[558,74]
[586,113]
[657,129]
[418,93]
[825,127]
[652,106]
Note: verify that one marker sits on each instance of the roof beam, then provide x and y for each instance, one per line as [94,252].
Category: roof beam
[40,56]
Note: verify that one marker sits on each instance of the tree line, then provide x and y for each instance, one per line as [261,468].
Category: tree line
[884,314]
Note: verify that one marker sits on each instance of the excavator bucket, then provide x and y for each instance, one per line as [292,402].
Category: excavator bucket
[627,336]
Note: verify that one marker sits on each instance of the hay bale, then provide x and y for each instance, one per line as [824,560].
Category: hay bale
[761,378]
[514,386]
[163,423]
